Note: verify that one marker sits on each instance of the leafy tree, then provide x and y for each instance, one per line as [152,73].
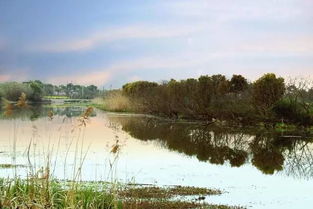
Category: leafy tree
[37,91]
[267,91]
[138,88]
[238,83]
[49,89]
[220,85]
[89,92]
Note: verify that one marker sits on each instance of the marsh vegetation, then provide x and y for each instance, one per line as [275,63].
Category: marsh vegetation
[269,99]
[70,155]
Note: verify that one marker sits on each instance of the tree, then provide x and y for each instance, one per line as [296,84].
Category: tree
[37,91]
[90,92]
[220,84]
[238,83]
[267,91]
[138,88]
[48,89]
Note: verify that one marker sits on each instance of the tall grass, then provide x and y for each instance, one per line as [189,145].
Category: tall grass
[114,101]
[41,192]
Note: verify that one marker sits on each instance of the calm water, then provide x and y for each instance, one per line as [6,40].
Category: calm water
[258,168]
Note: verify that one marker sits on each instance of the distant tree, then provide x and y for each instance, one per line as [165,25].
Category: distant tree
[267,91]
[69,90]
[49,89]
[90,92]
[37,91]
[220,84]
[238,83]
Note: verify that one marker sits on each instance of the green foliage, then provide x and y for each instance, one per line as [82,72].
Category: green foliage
[48,89]
[13,90]
[37,91]
[138,88]
[46,193]
[1,96]
[238,83]
[216,97]
[267,91]
[293,112]
[203,98]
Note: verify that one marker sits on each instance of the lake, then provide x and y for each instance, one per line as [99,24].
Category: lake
[256,167]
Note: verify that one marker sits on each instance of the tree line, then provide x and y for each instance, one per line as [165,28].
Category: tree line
[268,99]
[37,90]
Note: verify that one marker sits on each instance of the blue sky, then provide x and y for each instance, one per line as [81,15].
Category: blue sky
[113,42]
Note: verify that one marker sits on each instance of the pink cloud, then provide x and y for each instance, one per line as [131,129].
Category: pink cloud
[96,77]
[118,33]
[295,45]
[4,78]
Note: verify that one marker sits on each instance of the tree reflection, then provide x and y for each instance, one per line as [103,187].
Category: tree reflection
[267,150]
[35,112]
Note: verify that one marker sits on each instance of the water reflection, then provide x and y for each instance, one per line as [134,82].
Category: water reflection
[35,112]
[268,150]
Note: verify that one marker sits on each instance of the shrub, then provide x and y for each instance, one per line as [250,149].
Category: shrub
[293,112]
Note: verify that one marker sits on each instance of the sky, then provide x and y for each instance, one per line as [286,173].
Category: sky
[110,43]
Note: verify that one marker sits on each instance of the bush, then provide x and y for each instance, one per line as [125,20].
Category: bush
[293,112]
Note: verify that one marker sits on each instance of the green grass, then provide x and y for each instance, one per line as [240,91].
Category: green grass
[285,127]
[56,97]
[8,166]
[45,193]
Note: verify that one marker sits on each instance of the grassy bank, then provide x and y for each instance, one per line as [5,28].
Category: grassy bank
[42,192]
[45,193]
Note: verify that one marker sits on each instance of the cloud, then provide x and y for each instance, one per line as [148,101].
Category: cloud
[95,77]
[118,70]
[13,74]
[222,10]
[4,78]
[119,33]
[301,45]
